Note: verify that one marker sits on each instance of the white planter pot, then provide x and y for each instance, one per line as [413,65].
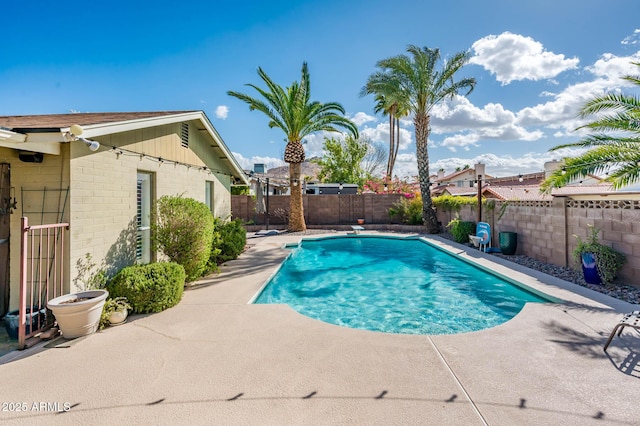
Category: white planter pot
[118,317]
[80,317]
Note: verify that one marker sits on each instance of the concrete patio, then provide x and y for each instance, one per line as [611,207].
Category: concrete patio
[214,359]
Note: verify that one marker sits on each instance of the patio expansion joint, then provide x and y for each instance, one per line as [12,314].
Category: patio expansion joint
[458,382]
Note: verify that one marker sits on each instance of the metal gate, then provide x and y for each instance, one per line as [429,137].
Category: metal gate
[42,271]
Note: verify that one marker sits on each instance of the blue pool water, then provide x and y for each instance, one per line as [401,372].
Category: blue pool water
[392,285]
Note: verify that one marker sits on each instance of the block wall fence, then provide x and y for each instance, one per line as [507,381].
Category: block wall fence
[546,229]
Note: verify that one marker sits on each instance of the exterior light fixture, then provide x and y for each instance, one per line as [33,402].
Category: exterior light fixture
[74,135]
[93,145]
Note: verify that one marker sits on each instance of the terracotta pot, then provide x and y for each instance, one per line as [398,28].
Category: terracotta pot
[360,221]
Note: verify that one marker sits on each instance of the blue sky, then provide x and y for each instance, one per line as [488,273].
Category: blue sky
[535,63]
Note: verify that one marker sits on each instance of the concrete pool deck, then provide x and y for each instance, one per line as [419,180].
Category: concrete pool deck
[214,359]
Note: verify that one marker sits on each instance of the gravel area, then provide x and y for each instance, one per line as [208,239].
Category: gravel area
[617,289]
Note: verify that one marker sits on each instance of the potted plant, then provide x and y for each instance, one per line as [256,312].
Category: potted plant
[115,311]
[78,314]
[600,263]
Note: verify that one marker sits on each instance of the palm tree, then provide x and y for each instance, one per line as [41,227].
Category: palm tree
[415,82]
[291,110]
[395,111]
[615,148]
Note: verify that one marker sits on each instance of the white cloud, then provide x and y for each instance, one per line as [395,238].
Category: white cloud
[632,39]
[613,67]
[504,165]
[247,163]
[562,111]
[361,118]
[222,111]
[405,166]
[512,57]
[380,134]
[466,125]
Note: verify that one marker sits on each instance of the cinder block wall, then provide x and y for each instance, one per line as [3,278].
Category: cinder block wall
[320,209]
[546,230]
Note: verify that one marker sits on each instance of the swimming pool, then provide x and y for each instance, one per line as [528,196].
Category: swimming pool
[393,285]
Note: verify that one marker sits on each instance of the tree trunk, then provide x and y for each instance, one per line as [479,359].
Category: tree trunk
[429,216]
[296,210]
[391,146]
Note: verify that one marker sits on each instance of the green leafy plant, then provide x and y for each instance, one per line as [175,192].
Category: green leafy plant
[111,305]
[87,278]
[461,230]
[182,229]
[149,288]
[233,239]
[408,210]
[608,260]
[453,203]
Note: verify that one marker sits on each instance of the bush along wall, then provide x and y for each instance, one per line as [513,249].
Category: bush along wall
[149,288]
[182,229]
[229,240]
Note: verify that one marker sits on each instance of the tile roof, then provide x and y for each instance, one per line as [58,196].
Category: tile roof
[57,121]
[516,192]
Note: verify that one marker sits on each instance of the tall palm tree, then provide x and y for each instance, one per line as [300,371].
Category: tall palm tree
[395,111]
[615,148]
[413,80]
[291,110]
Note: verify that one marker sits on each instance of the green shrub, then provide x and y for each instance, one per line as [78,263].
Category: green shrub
[408,210]
[461,230]
[149,288]
[182,229]
[229,241]
[453,203]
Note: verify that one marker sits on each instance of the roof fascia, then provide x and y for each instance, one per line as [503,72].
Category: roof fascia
[101,129]
[8,135]
[30,142]
[223,147]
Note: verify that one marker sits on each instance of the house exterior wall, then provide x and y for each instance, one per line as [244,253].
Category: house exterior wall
[103,200]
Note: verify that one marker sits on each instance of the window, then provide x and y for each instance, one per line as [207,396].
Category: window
[208,195]
[143,217]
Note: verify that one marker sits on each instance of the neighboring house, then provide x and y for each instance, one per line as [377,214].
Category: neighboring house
[526,187]
[465,178]
[50,175]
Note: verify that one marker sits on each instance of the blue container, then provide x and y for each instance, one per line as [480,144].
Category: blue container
[11,320]
[590,269]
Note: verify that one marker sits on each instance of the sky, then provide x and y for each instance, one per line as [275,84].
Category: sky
[535,63]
